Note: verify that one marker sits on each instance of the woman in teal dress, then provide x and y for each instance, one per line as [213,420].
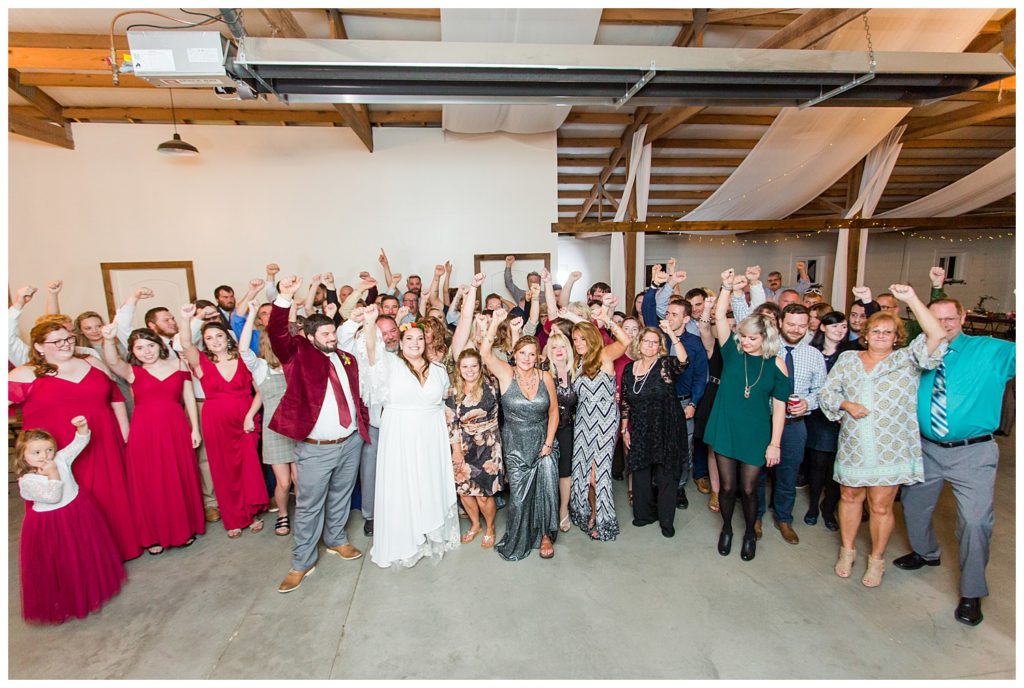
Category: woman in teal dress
[745,426]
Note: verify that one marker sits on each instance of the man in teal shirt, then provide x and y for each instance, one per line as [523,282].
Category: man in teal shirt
[958,409]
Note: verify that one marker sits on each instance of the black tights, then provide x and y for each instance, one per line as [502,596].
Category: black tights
[727,470]
[819,478]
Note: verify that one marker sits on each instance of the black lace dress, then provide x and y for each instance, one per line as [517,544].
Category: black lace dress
[657,426]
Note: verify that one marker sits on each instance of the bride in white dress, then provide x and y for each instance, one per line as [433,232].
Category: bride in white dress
[414,499]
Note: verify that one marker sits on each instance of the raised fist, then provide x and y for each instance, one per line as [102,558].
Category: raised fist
[739,283]
[80,422]
[357,314]
[801,266]
[188,311]
[509,260]
[575,275]
[330,310]
[545,276]
[402,314]
[438,270]
[55,286]
[862,294]
[252,307]
[937,276]
[25,294]
[289,285]
[255,284]
[448,267]
[370,314]
[329,279]
[315,279]
[273,269]
[670,265]
[677,277]
[499,315]
[109,331]
[903,292]
[728,276]
[753,273]
[478,279]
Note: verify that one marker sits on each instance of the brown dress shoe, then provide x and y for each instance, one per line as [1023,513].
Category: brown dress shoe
[788,534]
[294,579]
[345,551]
[212,514]
[703,485]
[757,529]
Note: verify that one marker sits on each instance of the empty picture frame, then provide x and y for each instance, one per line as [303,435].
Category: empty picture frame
[493,266]
[173,283]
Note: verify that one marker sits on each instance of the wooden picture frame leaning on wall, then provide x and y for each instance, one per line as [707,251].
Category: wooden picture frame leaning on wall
[170,280]
[493,264]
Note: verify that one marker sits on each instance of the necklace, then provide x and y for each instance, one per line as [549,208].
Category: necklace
[746,381]
[641,379]
[530,386]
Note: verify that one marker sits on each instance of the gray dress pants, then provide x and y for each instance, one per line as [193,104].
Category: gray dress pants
[971,472]
[326,476]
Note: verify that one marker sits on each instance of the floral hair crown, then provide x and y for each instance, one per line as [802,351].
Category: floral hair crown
[405,326]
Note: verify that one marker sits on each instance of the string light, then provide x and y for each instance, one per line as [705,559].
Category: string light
[957,240]
[793,236]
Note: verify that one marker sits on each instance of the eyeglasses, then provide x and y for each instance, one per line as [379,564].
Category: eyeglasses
[652,342]
[61,343]
[883,333]
[949,320]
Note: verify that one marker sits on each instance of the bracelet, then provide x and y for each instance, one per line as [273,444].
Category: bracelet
[775,446]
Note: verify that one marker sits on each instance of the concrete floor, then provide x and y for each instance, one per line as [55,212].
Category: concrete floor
[639,607]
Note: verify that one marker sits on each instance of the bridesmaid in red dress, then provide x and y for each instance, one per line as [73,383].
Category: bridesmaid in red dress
[55,386]
[163,473]
[229,424]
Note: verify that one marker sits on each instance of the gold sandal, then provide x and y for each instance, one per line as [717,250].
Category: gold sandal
[873,575]
[487,542]
[844,565]
[565,524]
[470,535]
[713,503]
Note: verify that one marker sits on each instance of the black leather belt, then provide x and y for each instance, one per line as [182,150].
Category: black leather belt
[961,443]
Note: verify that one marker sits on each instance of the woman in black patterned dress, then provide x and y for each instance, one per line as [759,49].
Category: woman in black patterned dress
[471,409]
[653,427]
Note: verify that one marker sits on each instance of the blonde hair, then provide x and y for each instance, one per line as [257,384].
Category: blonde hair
[558,339]
[897,321]
[21,466]
[763,324]
[579,308]
[634,346]
[267,351]
[476,392]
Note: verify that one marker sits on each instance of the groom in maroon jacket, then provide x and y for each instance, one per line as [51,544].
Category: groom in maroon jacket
[322,411]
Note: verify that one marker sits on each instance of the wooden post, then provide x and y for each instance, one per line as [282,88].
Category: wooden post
[853,180]
[630,251]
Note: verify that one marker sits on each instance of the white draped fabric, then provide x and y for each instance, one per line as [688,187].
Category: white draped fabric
[568,26]
[804,152]
[983,186]
[878,166]
[639,176]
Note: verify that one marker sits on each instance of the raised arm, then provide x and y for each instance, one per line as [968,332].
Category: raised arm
[499,368]
[281,341]
[188,349]
[740,308]
[932,328]
[365,285]
[53,297]
[432,293]
[118,366]
[533,320]
[549,293]
[271,290]
[707,336]
[389,279]
[370,332]
[462,331]
[563,298]
[17,349]
[447,286]
[126,313]
[722,331]
[245,338]
[255,285]
[612,351]
[314,282]
[516,292]
[677,348]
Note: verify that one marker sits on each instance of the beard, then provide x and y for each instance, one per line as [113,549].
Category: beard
[391,348]
[325,348]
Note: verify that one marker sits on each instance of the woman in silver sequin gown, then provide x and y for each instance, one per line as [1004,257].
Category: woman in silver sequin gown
[528,440]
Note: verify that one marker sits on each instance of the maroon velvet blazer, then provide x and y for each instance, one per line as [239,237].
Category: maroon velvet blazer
[305,371]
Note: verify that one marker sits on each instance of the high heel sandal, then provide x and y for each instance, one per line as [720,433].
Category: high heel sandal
[565,524]
[873,575]
[845,562]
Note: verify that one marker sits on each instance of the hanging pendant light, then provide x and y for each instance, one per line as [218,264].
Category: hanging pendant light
[176,146]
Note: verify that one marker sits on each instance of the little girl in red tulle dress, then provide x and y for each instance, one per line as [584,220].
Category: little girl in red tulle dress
[70,564]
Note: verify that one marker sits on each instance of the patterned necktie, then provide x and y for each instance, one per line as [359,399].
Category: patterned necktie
[791,369]
[344,415]
[940,426]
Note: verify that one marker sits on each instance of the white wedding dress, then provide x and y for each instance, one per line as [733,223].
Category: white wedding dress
[414,500]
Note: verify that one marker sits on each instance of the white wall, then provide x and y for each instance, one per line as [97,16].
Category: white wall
[310,198]
[990,266]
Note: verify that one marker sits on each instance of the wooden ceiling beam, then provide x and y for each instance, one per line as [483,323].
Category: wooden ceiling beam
[617,154]
[811,27]
[73,80]
[587,142]
[356,116]
[654,194]
[678,179]
[283,24]
[575,161]
[993,221]
[406,13]
[34,95]
[337,24]
[667,121]
[963,117]
[19,39]
[59,58]
[39,129]
[719,16]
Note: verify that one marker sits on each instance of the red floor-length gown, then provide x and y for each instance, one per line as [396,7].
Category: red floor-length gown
[50,403]
[163,473]
[234,463]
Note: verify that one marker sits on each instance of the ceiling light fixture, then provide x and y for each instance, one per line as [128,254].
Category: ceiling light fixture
[176,146]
